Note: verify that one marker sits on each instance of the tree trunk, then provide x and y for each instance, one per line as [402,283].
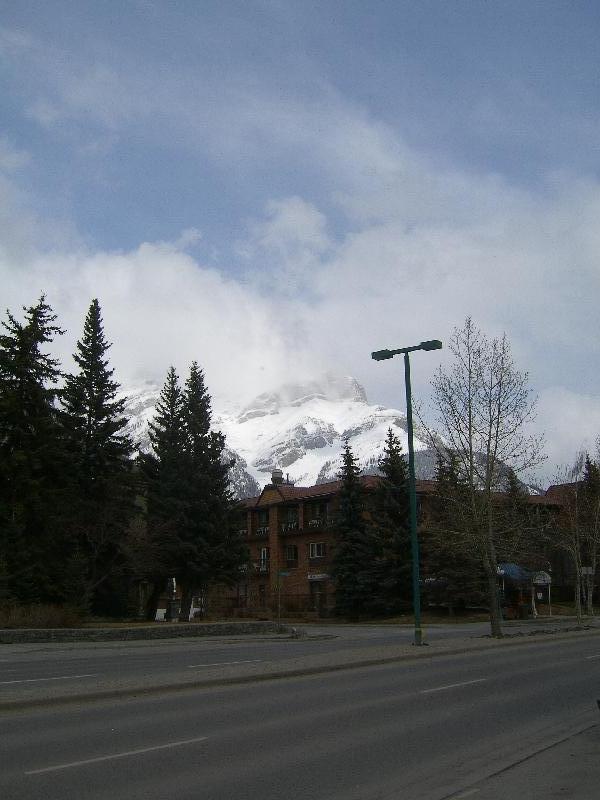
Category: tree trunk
[186,603]
[152,601]
[493,599]
[578,611]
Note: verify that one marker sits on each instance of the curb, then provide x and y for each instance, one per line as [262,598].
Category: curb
[139,633]
[240,680]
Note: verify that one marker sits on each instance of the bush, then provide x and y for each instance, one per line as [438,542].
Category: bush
[37,615]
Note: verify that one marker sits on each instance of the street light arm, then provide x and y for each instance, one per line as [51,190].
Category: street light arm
[383,355]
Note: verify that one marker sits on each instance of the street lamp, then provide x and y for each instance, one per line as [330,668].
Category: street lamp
[383,355]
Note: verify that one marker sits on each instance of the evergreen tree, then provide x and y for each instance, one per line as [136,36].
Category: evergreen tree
[102,479]
[357,551]
[391,523]
[32,544]
[590,526]
[519,527]
[452,571]
[205,547]
[165,473]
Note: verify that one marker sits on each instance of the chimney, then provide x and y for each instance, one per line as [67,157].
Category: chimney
[276,477]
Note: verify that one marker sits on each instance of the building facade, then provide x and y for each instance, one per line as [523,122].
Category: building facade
[290,531]
[291,534]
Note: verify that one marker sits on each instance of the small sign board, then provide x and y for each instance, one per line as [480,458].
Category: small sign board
[317,576]
[542,579]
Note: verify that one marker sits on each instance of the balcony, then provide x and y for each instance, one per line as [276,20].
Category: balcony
[262,532]
[317,522]
[243,532]
[290,527]
[261,567]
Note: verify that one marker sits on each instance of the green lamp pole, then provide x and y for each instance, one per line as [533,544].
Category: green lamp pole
[382,355]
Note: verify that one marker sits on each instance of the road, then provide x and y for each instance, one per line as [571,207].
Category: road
[87,663]
[421,730]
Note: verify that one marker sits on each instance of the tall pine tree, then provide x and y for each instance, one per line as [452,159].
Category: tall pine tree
[390,519]
[102,480]
[356,549]
[32,542]
[189,499]
[165,473]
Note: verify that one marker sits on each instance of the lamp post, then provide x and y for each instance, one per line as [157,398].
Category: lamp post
[382,355]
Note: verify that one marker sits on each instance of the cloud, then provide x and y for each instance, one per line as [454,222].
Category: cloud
[286,247]
[12,158]
[161,307]
[370,243]
[572,422]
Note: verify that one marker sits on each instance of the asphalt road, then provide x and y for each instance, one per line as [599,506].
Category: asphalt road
[88,663]
[414,730]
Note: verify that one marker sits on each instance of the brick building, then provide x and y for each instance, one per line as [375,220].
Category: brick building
[290,531]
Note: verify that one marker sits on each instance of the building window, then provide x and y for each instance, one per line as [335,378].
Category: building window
[316,550]
[317,515]
[263,522]
[290,554]
[289,518]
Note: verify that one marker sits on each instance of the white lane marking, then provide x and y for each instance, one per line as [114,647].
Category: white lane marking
[591,658]
[127,753]
[224,663]
[452,686]
[59,678]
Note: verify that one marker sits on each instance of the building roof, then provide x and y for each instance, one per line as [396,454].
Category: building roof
[285,492]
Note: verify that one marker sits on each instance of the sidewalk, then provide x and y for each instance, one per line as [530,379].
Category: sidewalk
[570,769]
[24,695]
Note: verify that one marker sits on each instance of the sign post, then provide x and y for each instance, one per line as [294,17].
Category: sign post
[544,579]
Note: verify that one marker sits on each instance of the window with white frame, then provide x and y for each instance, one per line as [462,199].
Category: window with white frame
[316,550]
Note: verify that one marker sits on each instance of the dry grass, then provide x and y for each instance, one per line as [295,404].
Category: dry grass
[38,616]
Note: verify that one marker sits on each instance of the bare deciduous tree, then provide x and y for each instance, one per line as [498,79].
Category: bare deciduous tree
[577,529]
[484,405]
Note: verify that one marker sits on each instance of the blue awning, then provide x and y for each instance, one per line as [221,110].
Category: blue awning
[514,573]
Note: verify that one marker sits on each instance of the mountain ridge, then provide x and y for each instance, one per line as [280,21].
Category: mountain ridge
[299,428]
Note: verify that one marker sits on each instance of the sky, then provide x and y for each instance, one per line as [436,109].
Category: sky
[277,188]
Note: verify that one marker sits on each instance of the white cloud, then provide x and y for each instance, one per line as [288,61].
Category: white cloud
[396,250]
[285,249]
[571,422]
[161,307]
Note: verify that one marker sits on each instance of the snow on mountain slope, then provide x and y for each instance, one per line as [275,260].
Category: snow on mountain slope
[299,428]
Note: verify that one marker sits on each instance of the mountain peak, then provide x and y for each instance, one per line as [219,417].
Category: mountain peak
[326,387]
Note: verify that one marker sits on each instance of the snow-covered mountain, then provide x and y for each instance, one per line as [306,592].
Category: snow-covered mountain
[299,428]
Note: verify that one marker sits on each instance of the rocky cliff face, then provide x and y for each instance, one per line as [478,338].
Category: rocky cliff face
[300,428]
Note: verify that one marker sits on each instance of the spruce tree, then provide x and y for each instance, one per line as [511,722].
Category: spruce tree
[391,522]
[519,528]
[32,542]
[102,480]
[209,549]
[164,471]
[590,526]
[452,569]
[356,548]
